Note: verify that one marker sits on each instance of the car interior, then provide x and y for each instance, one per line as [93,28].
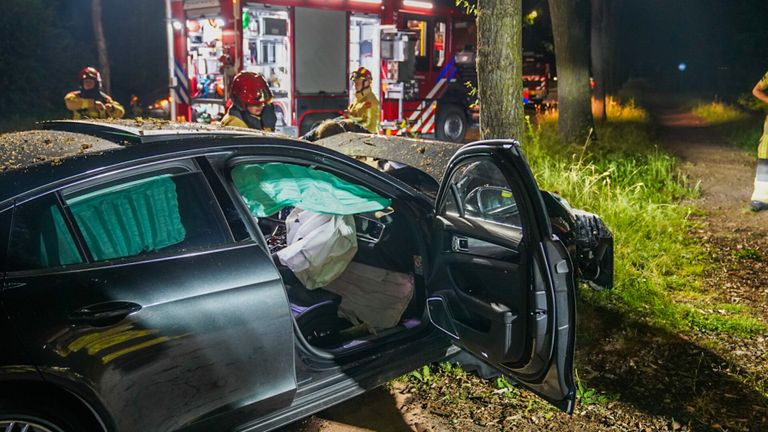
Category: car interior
[375,288]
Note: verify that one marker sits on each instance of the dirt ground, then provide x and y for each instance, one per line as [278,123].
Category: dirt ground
[656,381]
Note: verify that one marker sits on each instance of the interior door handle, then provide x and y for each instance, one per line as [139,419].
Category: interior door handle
[104,313]
[460,244]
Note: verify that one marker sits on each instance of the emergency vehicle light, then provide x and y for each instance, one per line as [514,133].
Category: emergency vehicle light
[417,4]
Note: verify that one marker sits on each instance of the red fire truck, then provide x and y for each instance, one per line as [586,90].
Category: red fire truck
[421,54]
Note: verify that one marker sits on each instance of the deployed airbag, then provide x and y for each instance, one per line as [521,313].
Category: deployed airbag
[372,295]
[269,187]
[320,246]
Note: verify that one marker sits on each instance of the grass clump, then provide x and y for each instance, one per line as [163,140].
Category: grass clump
[719,112]
[741,125]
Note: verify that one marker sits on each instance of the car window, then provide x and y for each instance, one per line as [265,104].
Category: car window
[479,188]
[161,212]
[40,237]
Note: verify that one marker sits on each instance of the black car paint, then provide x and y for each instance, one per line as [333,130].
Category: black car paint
[347,377]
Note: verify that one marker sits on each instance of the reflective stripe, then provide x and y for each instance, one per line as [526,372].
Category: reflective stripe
[182,91]
[761,182]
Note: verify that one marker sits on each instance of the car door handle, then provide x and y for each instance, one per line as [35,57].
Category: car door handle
[104,313]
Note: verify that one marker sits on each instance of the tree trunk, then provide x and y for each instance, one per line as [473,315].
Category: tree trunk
[599,34]
[101,45]
[500,68]
[610,18]
[570,28]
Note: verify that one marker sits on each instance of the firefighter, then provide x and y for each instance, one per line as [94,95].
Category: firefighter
[365,109]
[760,194]
[251,103]
[90,102]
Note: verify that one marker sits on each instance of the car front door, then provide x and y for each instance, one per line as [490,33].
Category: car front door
[501,284]
[134,291]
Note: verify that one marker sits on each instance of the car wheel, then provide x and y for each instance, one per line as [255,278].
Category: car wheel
[451,124]
[46,417]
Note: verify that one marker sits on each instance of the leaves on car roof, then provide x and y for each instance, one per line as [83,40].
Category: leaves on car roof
[20,150]
[429,156]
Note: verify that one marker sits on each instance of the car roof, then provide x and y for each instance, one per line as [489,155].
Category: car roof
[20,150]
[139,130]
[432,157]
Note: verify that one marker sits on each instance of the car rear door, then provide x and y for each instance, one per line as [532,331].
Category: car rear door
[501,284]
[134,290]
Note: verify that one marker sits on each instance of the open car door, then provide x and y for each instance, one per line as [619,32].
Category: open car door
[501,285]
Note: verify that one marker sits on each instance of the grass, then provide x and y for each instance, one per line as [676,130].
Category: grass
[638,191]
[740,124]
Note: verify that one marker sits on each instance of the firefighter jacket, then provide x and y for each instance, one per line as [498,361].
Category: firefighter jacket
[365,110]
[83,105]
[237,118]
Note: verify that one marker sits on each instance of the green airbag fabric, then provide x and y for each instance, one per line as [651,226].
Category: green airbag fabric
[129,219]
[269,187]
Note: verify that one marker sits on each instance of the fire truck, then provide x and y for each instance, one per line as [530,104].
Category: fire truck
[420,52]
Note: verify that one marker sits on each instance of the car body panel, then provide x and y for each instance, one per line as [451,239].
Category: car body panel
[226,325]
[507,293]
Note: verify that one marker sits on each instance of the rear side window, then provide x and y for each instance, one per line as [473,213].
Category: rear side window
[40,238]
[162,213]
[157,213]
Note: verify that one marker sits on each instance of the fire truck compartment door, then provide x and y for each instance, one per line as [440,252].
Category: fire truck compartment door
[321,51]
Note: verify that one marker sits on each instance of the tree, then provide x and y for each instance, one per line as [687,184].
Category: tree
[570,28]
[101,44]
[500,68]
[599,56]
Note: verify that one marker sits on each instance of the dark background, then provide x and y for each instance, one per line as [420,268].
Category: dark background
[45,43]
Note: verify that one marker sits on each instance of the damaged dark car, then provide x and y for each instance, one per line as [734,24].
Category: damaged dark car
[170,277]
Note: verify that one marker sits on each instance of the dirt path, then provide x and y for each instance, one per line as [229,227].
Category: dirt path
[725,176]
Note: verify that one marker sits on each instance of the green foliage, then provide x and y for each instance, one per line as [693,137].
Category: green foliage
[590,396]
[740,126]
[718,113]
[748,254]
[639,192]
[469,8]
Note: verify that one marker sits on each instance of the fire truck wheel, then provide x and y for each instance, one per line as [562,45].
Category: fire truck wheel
[451,124]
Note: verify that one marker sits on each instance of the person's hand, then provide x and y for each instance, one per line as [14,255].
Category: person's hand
[99,106]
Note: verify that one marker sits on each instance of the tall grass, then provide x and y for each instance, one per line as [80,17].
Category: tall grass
[642,196]
[741,125]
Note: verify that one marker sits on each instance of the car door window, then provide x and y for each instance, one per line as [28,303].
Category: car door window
[40,237]
[160,212]
[479,190]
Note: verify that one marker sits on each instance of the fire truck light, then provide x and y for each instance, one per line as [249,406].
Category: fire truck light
[417,4]
[176,25]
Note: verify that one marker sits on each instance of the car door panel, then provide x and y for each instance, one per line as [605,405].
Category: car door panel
[502,286]
[167,339]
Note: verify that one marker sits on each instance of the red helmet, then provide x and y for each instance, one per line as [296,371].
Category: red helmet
[90,73]
[250,88]
[361,74]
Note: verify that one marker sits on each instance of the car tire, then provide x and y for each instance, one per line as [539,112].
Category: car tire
[41,416]
[451,124]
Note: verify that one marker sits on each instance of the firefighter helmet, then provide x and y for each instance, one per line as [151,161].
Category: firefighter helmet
[361,74]
[90,73]
[250,88]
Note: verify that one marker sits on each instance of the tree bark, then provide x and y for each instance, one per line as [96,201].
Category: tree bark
[101,45]
[500,68]
[599,35]
[570,28]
